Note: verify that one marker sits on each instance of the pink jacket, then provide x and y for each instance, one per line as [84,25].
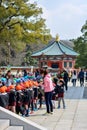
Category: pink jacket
[48,85]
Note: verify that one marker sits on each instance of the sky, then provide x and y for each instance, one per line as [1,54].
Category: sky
[64,17]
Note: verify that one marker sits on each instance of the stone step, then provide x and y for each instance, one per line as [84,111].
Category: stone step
[4,124]
[14,128]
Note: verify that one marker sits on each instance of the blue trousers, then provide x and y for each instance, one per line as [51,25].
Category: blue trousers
[48,99]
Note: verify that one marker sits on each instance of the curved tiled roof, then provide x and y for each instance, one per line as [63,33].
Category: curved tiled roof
[56,48]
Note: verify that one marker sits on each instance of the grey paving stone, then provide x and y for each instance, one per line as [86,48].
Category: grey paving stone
[85,93]
[14,128]
[4,124]
[74,117]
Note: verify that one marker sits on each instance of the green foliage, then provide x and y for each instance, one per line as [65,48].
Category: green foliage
[21,20]
[81,47]
[28,60]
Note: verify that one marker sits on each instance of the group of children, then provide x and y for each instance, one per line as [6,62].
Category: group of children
[22,97]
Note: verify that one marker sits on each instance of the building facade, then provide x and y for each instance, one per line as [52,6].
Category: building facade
[56,55]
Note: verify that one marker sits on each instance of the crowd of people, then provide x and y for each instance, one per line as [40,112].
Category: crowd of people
[80,76]
[22,92]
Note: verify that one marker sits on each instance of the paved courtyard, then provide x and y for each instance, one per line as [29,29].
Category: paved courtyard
[74,117]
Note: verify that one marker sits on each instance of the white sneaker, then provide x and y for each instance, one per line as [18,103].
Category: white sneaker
[51,112]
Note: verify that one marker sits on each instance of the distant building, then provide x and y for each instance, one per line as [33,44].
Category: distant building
[15,69]
[56,54]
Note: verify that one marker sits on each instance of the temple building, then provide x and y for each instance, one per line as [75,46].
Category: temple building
[56,55]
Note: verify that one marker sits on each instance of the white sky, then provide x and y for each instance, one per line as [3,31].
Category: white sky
[64,17]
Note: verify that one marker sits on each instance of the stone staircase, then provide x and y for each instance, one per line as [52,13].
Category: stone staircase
[5,125]
[12,121]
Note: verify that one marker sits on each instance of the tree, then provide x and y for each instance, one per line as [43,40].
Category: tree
[28,60]
[81,47]
[21,20]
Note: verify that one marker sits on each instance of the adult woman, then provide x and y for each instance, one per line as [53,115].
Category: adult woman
[48,89]
[74,78]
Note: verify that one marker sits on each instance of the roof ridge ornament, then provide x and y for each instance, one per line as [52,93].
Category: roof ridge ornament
[57,38]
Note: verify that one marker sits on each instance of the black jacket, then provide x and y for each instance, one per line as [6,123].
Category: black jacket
[12,97]
[4,100]
[59,89]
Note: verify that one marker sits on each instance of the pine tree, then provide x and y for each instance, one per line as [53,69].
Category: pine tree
[21,20]
[81,47]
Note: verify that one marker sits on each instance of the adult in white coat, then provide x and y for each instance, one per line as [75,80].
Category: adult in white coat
[74,78]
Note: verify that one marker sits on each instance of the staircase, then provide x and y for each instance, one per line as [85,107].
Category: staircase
[5,125]
[12,121]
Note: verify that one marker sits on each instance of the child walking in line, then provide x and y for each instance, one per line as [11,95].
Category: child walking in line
[19,100]
[26,101]
[40,93]
[35,89]
[12,98]
[60,91]
[55,82]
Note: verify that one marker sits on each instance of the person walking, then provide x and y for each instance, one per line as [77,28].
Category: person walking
[74,78]
[81,77]
[48,89]
[66,78]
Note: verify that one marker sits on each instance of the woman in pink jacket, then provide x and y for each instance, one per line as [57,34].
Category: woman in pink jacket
[48,89]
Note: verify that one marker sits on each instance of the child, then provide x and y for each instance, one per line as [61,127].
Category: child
[12,98]
[26,98]
[4,97]
[26,101]
[55,81]
[60,91]
[35,89]
[19,100]
[40,93]
[31,97]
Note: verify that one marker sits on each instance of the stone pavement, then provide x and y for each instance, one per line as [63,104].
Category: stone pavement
[74,117]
